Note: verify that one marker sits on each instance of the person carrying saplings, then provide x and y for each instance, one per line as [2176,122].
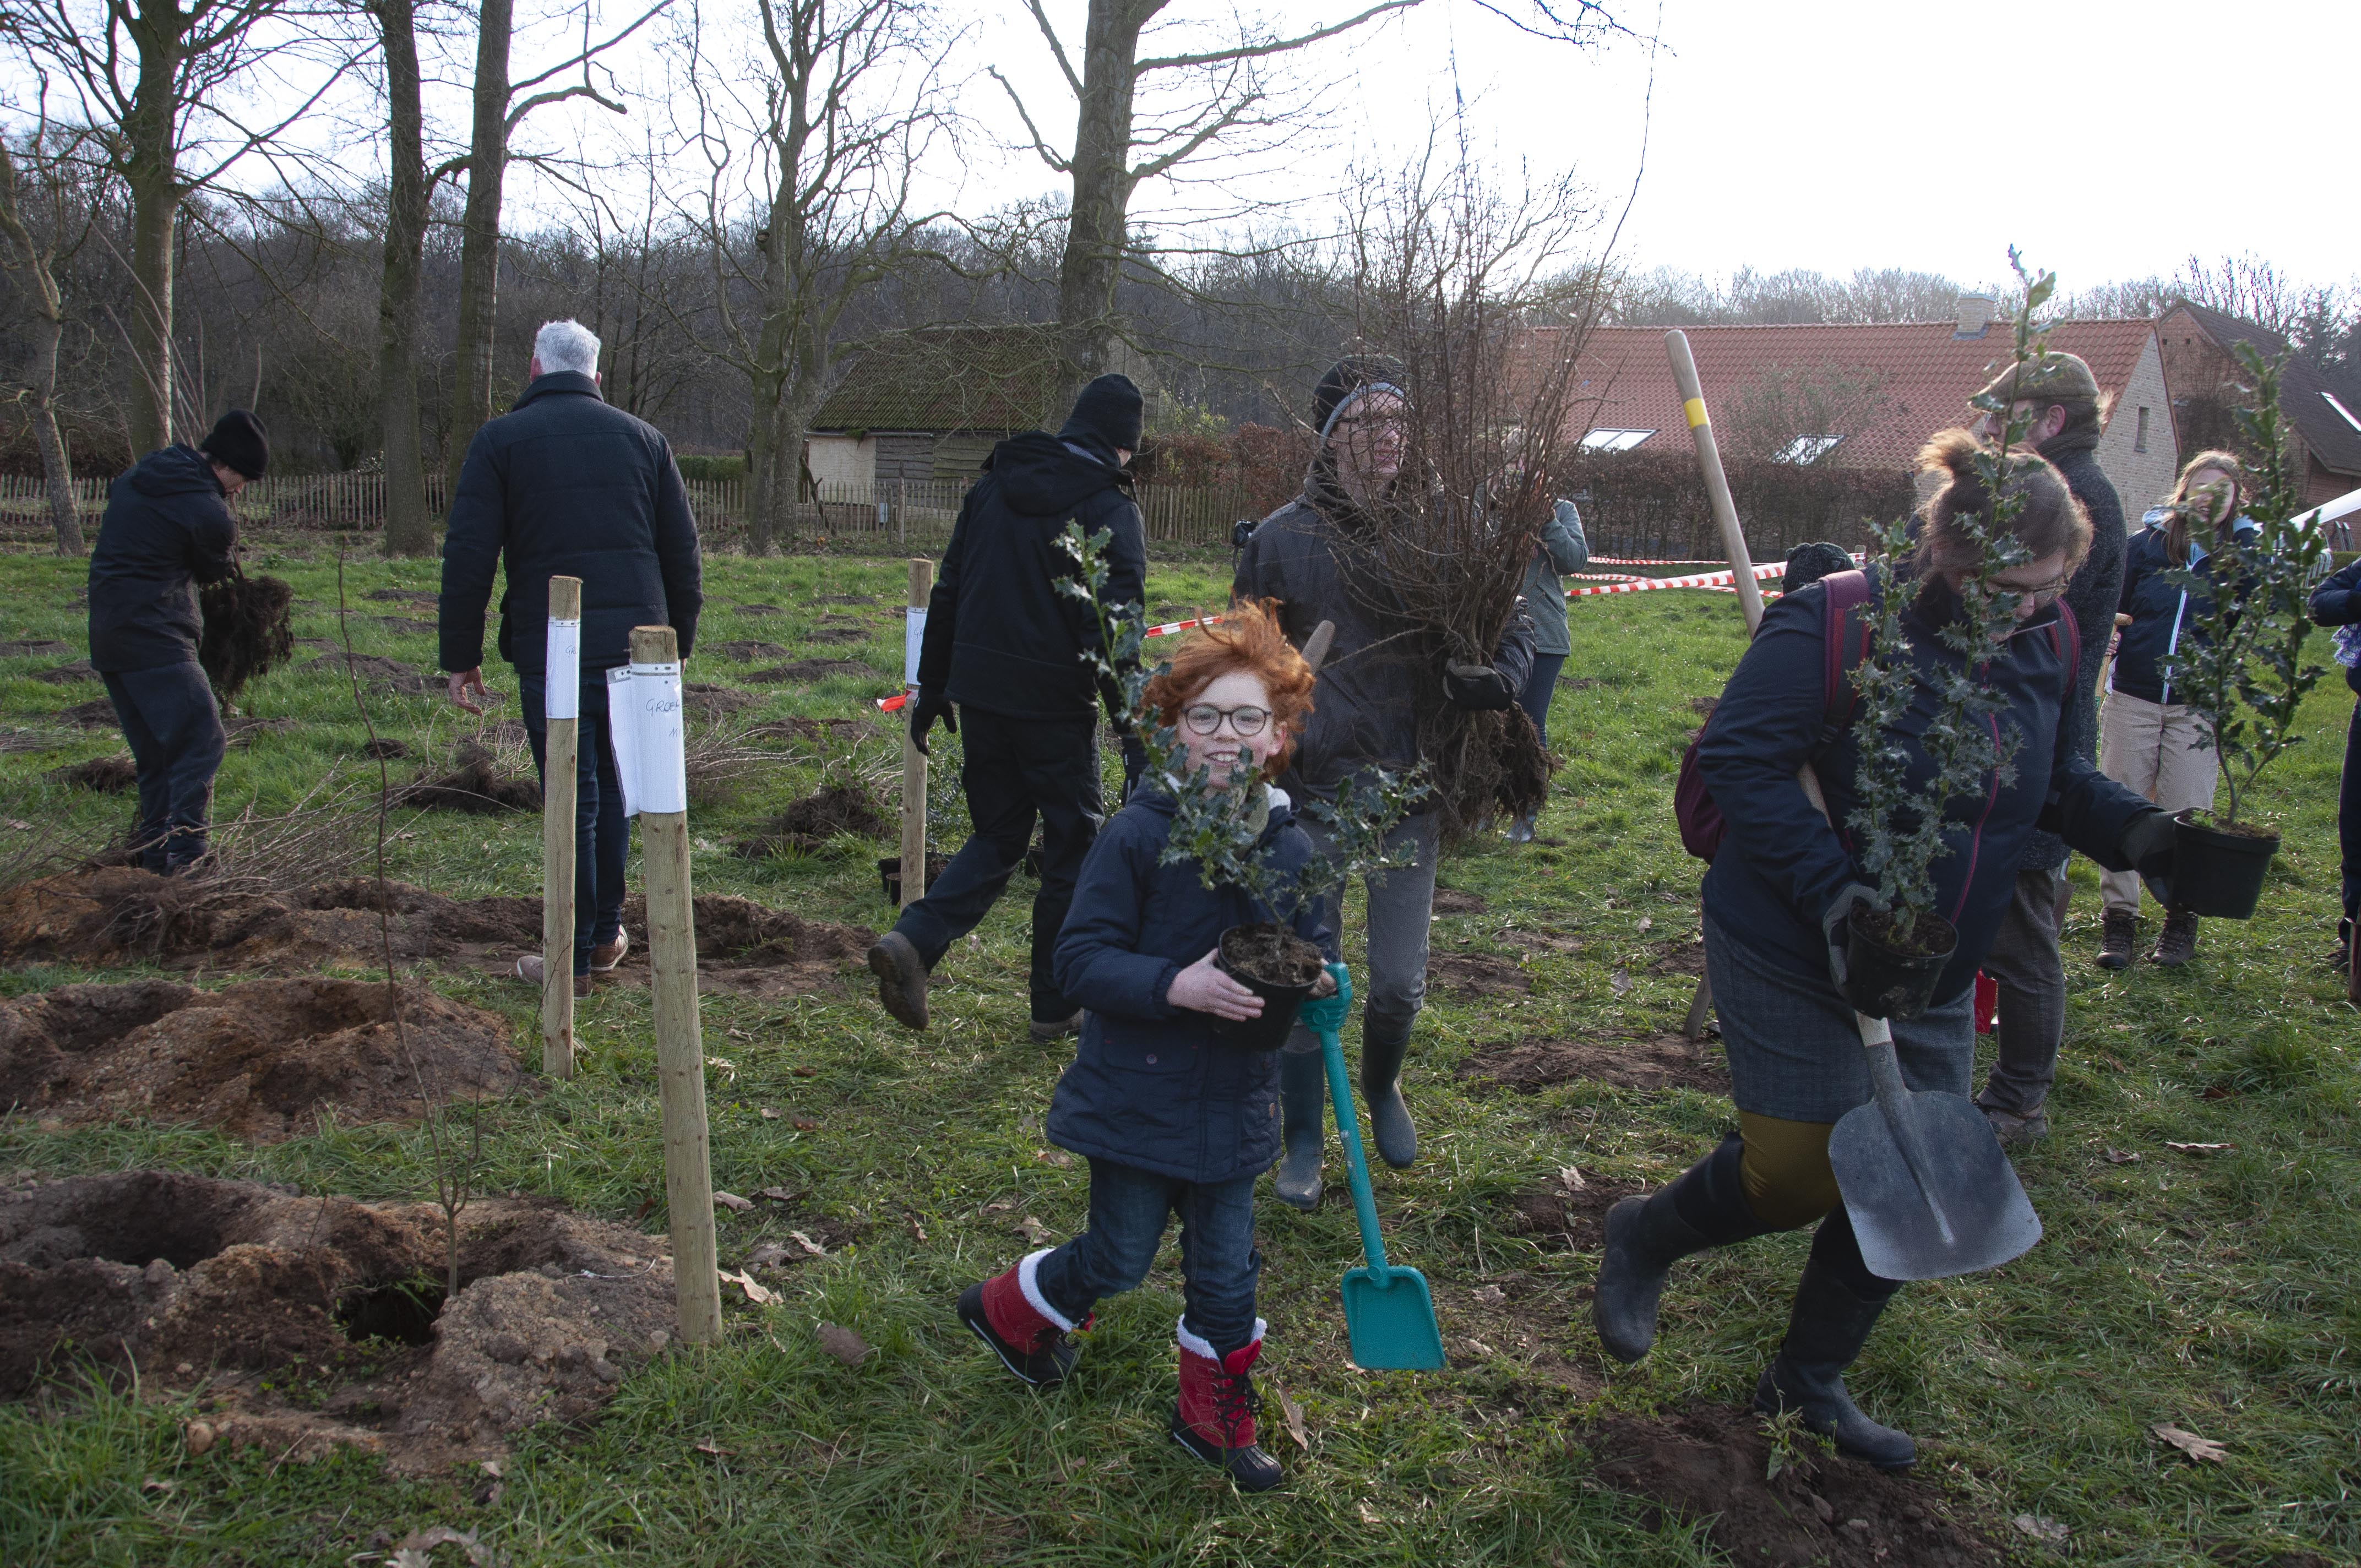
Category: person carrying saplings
[2149,740]
[1002,654]
[1777,898]
[168,530]
[1562,548]
[566,485]
[2057,398]
[2337,603]
[1172,1119]
[1375,688]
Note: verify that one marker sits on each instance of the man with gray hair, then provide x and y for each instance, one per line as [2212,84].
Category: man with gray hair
[564,486]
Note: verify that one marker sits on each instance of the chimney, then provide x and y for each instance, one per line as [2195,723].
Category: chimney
[1975,314]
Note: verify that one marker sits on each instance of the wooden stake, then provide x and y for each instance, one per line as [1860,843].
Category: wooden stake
[560,751]
[914,768]
[1716,483]
[672,963]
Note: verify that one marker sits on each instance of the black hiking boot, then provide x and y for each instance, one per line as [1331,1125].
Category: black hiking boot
[1303,1127]
[1383,1046]
[2176,943]
[1830,1321]
[901,979]
[2118,935]
[1702,1207]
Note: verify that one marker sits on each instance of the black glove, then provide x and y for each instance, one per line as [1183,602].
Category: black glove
[928,706]
[1134,763]
[1835,927]
[2148,845]
[1478,687]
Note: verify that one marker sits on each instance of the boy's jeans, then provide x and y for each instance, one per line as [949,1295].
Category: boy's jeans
[1219,1264]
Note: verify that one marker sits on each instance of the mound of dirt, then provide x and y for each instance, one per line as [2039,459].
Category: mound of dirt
[750,949]
[704,700]
[189,1279]
[385,747]
[1570,1211]
[404,626]
[804,672]
[386,674]
[1477,974]
[34,649]
[258,1060]
[760,610]
[243,729]
[844,598]
[1707,1462]
[68,674]
[1639,1061]
[1451,900]
[838,634]
[1679,958]
[473,784]
[96,714]
[107,775]
[745,652]
[426,597]
[812,821]
[807,729]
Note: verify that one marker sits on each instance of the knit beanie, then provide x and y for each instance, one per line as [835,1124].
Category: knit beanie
[1808,564]
[1108,412]
[1348,376]
[238,441]
[2051,377]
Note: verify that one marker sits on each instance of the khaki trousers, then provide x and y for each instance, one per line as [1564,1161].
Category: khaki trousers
[2151,747]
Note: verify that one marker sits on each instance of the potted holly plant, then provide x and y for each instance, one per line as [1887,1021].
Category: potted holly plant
[2243,668]
[1219,827]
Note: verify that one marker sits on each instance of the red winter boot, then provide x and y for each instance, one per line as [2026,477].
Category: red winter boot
[1009,1312]
[1215,1417]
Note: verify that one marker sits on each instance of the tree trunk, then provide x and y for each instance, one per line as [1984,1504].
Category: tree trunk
[1098,226]
[152,170]
[771,472]
[479,246]
[57,465]
[408,528]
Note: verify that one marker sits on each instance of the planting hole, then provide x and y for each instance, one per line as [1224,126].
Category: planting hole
[404,1311]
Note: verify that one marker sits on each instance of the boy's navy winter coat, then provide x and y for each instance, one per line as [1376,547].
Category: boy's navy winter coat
[2160,608]
[167,529]
[567,486]
[1779,869]
[1150,1085]
[2337,602]
[1000,637]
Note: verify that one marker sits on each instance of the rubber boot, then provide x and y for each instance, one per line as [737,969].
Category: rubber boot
[1303,1127]
[1383,1046]
[1836,1304]
[1009,1313]
[1215,1418]
[1702,1207]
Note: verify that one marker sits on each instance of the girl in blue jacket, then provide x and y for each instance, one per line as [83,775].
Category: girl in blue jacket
[2149,740]
[1172,1119]
[1777,898]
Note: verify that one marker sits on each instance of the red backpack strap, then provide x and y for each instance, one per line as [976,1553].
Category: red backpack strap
[2066,636]
[1845,638]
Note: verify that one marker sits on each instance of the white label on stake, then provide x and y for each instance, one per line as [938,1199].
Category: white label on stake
[621,733]
[561,694]
[662,744]
[914,636]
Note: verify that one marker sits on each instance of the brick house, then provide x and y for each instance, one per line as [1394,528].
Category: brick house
[931,405]
[1882,389]
[2204,372]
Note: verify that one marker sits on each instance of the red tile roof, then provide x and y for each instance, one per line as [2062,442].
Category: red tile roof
[1925,372]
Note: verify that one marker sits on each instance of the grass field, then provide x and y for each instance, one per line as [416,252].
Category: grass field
[2216,1293]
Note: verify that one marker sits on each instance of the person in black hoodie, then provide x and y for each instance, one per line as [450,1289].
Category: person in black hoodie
[2057,398]
[1003,650]
[168,529]
[2337,603]
[563,485]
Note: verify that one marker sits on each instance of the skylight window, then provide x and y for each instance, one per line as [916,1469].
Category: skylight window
[1806,449]
[1614,440]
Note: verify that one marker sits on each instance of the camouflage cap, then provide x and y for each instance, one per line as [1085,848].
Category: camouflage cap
[2050,377]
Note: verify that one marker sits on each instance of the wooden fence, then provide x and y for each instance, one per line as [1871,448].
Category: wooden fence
[888,517]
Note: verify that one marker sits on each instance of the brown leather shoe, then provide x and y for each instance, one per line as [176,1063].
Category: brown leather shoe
[607,955]
[2178,942]
[531,970]
[2119,934]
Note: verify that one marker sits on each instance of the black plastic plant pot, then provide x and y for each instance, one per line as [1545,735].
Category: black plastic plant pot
[889,875]
[1244,950]
[2219,873]
[1884,980]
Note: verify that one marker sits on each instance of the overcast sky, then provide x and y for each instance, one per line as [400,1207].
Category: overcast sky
[1862,133]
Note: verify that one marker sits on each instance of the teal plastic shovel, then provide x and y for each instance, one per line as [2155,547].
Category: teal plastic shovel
[1388,1311]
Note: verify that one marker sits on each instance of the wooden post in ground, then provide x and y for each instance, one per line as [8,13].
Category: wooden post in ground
[561,718]
[1733,540]
[672,963]
[913,761]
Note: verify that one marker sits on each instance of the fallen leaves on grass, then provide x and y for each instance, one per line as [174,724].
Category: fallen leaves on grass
[2049,1532]
[1621,983]
[2120,1157]
[1492,1296]
[713,1450]
[1054,1156]
[780,1194]
[811,1248]
[1570,1178]
[198,1437]
[769,1114]
[2190,1443]
[843,1343]
[416,1549]
[2200,1148]
[1034,1231]
[761,1296]
[732,1202]
[1294,1411]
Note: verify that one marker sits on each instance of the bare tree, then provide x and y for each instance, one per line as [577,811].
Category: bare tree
[31,262]
[408,528]
[820,139]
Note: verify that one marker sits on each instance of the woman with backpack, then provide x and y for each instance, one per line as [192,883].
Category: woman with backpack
[2148,740]
[1785,879]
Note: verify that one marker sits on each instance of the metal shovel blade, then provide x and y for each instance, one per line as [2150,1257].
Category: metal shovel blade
[1928,1189]
[1391,1320]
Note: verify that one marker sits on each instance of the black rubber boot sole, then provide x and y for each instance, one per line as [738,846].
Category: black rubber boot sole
[1044,1369]
[1249,1467]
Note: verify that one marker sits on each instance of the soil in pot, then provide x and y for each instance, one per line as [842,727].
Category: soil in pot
[2219,869]
[1276,965]
[1895,974]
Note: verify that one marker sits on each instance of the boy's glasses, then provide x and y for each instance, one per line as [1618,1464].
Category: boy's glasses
[1204,718]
